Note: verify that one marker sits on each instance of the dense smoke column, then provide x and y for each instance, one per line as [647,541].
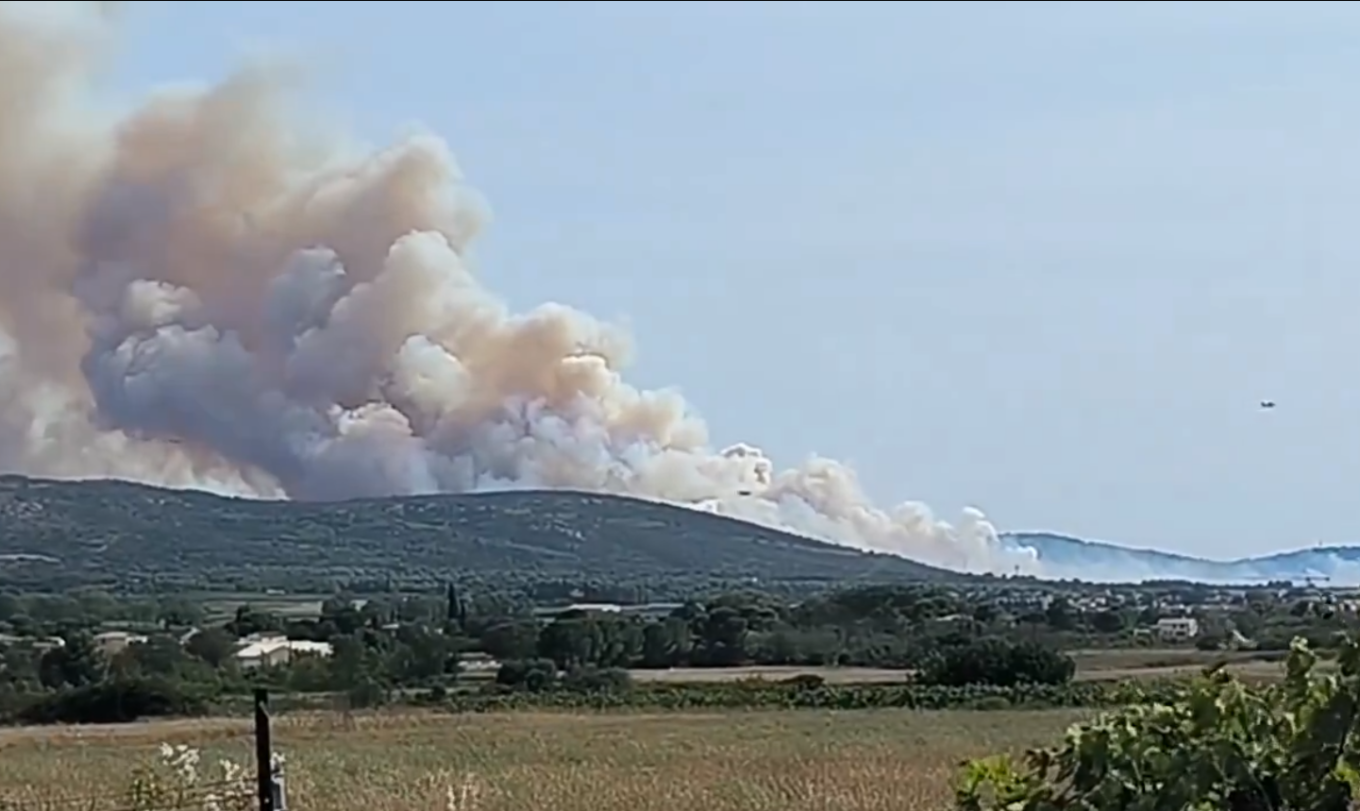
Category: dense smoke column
[202,292]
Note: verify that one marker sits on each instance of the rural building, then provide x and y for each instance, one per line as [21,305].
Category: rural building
[277,650]
[111,643]
[38,643]
[1177,629]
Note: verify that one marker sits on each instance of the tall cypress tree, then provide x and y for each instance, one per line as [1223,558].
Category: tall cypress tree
[456,611]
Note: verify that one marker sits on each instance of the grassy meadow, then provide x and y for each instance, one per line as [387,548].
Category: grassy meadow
[608,761]
[828,761]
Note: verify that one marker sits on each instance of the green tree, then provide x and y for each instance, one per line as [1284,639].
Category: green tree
[724,637]
[250,620]
[569,641]
[1107,622]
[422,656]
[212,645]
[1059,614]
[178,612]
[512,639]
[159,655]
[340,616]
[351,662]
[74,664]
[665,643]
[999,662]
[985,613]
[10,606]
[534,675]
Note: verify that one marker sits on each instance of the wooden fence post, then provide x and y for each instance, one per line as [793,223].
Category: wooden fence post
[264,751]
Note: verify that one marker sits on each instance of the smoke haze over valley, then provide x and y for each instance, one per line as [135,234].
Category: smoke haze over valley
[1066,557]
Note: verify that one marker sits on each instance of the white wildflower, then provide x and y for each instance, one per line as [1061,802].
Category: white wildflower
[467,797]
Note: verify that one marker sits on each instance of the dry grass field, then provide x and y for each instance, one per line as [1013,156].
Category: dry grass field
[1161,663]
[743,761]
[790,761]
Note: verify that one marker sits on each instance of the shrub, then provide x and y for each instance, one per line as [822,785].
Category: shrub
[805,681]
[594,679]
[112,702]
[999,662]
[366,693]
[533,675]
[1223,745]
[1208,642]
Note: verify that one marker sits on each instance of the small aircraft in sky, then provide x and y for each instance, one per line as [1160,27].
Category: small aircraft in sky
[1266,405]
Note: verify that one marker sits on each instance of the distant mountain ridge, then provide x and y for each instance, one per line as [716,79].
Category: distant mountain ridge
[1066,556]
[74,533]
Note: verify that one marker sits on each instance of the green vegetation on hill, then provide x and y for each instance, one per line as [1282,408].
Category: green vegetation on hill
[64,534]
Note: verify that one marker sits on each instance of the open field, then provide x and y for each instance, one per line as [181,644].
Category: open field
[1105,659]
[1092,665]
[1162,663]
[828,761]
[219,607]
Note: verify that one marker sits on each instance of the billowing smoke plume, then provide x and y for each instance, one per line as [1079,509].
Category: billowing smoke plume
[201,293]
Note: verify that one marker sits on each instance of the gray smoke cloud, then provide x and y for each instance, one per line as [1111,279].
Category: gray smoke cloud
[201,292]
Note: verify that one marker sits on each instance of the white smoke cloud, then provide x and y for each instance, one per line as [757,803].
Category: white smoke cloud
[199,293]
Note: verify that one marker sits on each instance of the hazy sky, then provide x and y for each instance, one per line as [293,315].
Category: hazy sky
[1044,258]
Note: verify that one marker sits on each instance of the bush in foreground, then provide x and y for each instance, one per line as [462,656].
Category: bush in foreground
[1223,745]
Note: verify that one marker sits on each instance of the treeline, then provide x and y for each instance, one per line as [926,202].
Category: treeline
[881,627]
[855,621]
[536,684]
[447,646]
[369,650]
[1005,680]
[955,673]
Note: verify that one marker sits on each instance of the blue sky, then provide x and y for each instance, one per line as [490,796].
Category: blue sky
[1041,257]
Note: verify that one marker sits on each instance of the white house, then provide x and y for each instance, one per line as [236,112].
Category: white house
[278,650]
[1177,629]
[113,642]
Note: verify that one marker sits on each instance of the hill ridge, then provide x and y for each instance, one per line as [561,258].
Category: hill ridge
[119,530]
